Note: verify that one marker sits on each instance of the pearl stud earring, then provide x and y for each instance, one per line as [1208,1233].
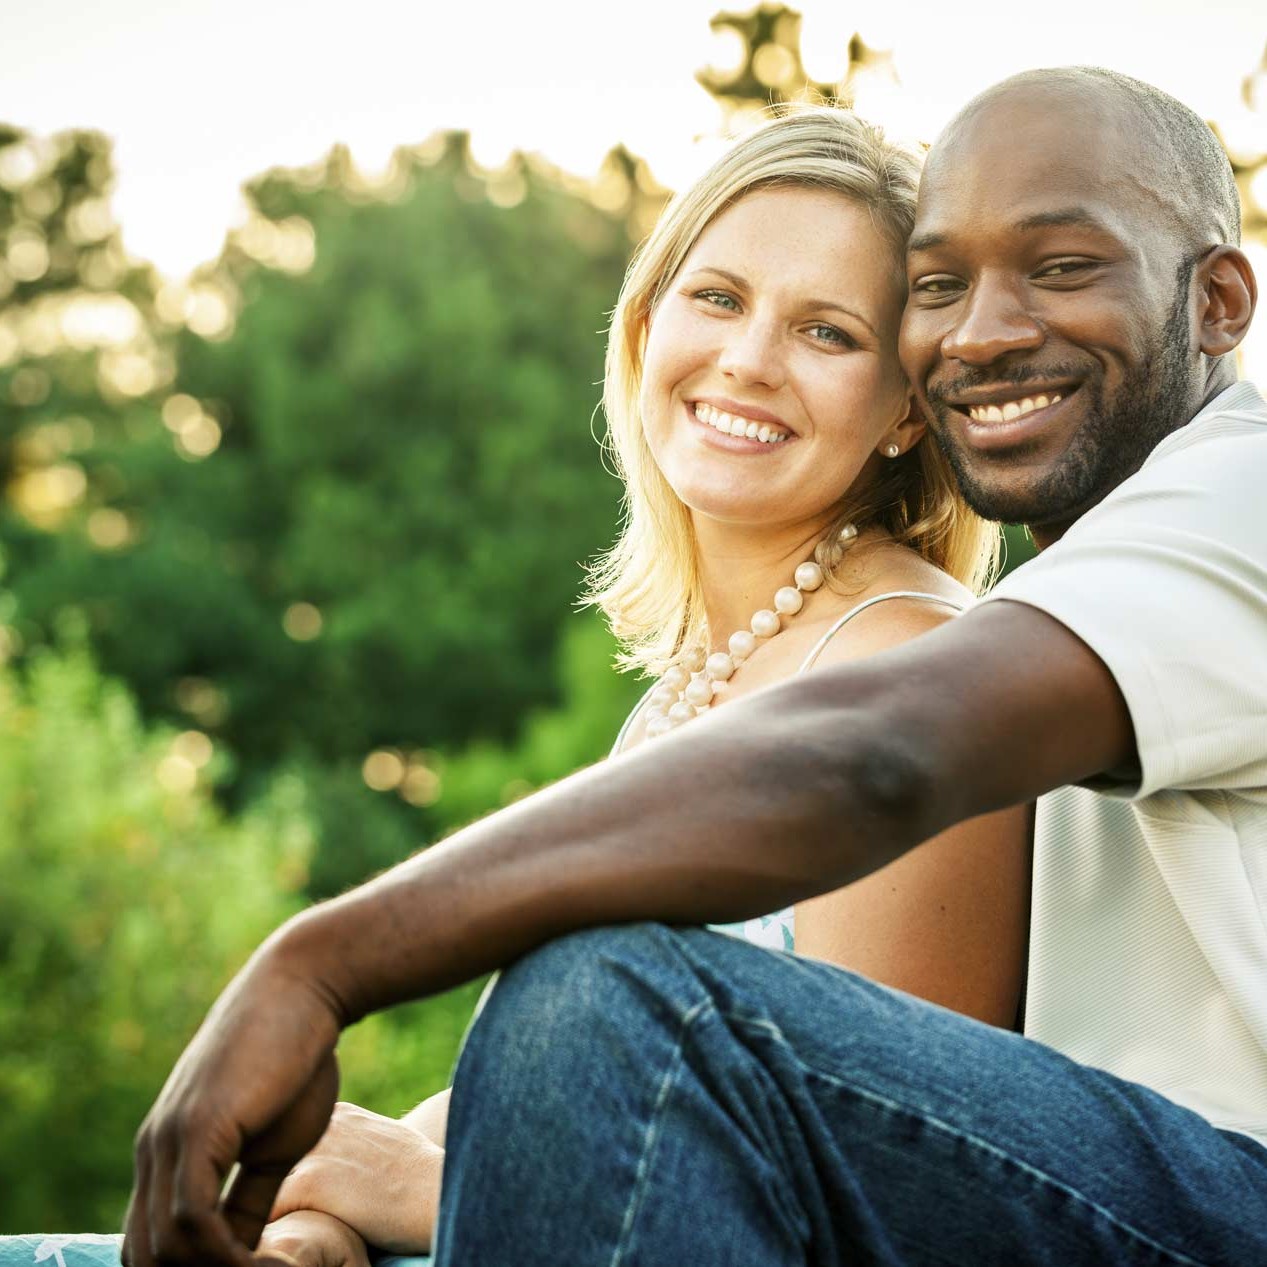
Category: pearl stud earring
[891,450]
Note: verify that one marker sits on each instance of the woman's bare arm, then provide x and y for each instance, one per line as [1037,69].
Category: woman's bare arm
[949,920]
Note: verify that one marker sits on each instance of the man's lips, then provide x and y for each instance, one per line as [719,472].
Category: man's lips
[1006,416]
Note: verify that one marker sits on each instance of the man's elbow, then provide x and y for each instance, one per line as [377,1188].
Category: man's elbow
[870,783]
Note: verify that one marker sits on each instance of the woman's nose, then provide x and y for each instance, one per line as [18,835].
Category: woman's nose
[753,353]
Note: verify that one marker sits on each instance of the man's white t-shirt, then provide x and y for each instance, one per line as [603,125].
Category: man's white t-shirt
[1148,943]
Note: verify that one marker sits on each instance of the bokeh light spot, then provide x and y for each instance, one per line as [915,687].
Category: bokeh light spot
[193,746]
[27,255]
[202,700]
[302,622]
[176,774]
[383,770]
[108,529]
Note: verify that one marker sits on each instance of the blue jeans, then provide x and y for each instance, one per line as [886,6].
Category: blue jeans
[657,1097]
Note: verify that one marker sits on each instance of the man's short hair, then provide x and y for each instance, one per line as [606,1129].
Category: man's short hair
[1205,196]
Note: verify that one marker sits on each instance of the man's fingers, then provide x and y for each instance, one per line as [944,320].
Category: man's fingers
[198,1231]
[136,1224]
[268,1158]
[249,1203]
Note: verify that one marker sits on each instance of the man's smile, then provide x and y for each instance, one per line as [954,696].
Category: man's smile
[1006,415]
[1009,410]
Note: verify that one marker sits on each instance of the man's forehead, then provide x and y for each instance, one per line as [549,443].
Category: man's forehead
[1033,151]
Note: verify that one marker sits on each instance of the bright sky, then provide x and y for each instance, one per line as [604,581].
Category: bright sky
[200,95]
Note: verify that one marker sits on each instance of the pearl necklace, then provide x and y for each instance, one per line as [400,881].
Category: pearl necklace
[689,686]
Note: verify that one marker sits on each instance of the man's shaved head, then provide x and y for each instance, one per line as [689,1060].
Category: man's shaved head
[1182,154]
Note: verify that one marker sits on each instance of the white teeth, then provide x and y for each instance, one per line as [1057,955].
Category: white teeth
[1011,409]
[732,425]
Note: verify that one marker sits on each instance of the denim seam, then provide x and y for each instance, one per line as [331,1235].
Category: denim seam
[652,1136]
[975,1140]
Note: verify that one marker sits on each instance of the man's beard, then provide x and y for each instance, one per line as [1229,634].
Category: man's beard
[1112,444]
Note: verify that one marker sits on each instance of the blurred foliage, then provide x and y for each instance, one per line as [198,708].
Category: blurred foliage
[771,71]
[317,514]
[109,845]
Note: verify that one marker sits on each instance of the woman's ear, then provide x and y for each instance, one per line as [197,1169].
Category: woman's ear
[1227,293]
[906,433]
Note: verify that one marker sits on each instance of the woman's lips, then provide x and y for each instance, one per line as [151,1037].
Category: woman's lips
[735,426]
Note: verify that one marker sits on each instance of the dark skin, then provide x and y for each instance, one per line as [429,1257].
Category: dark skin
[843,772]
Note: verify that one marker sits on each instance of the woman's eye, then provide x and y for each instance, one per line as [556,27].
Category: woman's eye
[830,334]
[719,299]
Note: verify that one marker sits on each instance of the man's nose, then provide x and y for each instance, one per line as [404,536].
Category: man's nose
[753,353]
[993,321]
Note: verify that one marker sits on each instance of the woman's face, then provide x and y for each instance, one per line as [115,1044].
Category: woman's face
[784,315]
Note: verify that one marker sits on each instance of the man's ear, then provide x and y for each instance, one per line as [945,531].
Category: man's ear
[906,432]
[1226,295]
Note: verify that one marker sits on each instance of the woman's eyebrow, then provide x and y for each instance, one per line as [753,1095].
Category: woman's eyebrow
[829,304]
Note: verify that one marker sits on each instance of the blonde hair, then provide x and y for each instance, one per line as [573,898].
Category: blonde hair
[647,584]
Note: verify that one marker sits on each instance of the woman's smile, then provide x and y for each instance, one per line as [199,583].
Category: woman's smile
[740,428]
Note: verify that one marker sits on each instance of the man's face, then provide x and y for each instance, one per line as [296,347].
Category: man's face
[1048,332]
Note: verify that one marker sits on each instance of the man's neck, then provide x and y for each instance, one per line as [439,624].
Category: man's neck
[1222,376]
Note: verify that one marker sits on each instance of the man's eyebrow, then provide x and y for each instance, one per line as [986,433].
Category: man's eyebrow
[829,304]
[1078,217]
[925,242]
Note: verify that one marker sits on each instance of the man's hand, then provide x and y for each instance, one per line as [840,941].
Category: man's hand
[377,1175]
[255,1087]
[309,1238]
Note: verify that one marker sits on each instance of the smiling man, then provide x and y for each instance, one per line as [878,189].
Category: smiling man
[659,1095]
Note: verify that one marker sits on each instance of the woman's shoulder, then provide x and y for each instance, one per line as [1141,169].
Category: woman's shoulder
[900,595]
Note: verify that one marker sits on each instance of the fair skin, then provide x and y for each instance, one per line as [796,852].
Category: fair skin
[785,311]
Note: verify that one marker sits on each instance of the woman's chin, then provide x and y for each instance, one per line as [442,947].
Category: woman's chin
[742,511]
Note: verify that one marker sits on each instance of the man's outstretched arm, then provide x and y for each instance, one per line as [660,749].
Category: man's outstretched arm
[780,796]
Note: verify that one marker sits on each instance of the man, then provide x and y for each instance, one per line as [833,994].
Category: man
[657,1095]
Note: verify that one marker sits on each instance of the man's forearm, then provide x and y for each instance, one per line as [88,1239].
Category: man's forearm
[778,797]
[751,811]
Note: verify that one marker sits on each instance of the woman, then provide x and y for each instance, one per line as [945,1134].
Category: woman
[784,508]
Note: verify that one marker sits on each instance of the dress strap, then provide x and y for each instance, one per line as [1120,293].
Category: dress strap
[841,622]
[629,721]
[808,662]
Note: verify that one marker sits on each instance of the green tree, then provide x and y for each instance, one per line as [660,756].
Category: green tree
[110,950]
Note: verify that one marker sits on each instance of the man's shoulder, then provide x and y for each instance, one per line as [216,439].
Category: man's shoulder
[1207,476]
[1238,411]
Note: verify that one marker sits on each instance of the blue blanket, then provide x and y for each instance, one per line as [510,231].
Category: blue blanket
[103,1251]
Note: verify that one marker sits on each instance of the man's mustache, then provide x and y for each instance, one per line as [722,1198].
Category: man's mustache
[970,380]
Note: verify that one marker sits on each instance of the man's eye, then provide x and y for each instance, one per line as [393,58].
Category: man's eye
[1064,268]
[937,286]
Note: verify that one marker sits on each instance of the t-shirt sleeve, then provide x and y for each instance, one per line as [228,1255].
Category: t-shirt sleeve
[1166,581]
